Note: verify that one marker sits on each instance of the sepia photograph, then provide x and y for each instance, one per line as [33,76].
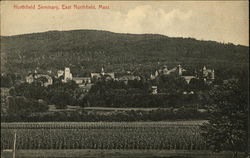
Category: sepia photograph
[124,79]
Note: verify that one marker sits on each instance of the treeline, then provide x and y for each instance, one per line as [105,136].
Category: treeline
[190,113]
[26,99]
[141,100]
[173,91]
[59,93]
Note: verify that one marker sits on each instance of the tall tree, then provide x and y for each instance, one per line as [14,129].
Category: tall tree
[227,127]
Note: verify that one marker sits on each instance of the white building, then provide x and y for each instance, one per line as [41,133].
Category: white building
[45,80]
[154,90]
[60,73]
[67,74]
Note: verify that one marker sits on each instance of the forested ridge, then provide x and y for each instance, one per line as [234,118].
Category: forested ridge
[88,50]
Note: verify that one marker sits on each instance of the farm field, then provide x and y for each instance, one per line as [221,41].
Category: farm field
[93,153]
[108,135]
[183,135]
[170,139]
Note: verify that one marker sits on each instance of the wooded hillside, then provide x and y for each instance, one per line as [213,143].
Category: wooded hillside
[88,50]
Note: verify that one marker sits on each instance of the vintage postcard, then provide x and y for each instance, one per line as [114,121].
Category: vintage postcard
[124,79]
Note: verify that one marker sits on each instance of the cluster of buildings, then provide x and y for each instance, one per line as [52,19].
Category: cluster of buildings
[83,82]
[86,82]
[45,80]
[206,74]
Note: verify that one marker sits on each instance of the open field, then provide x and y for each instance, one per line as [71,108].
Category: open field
[90,153]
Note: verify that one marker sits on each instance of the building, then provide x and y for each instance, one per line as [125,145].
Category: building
[154,89]
[208,74]
[108,76]
[60,73]
[165,71]
[67,74]
[44,80]
[30,78]
[152,77]
[188,78]
[82,80]
[178,70]
[128,77]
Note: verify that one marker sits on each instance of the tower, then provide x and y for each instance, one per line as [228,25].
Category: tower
[165,69]
[204,72]
[156,73]
[204,68]
[67,74]
[152,77]
[179,70]
[212,75]
[102,72]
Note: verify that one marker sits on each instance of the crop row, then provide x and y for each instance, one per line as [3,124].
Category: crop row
[97,125]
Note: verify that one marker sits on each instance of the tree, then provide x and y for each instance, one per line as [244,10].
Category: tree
[61,99]
[34,90]
[6,81]
[197,85]
[172,84]
[228,123]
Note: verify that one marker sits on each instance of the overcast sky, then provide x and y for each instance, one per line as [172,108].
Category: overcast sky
[223,21]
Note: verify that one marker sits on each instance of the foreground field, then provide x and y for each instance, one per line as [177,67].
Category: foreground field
[175,139]
[90,153]
[109,135]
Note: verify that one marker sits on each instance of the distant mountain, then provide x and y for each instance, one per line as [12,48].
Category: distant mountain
[88,50]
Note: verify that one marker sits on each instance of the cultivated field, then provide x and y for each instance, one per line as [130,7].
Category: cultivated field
[184,135]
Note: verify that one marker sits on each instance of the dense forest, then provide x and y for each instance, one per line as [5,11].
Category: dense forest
[86,51]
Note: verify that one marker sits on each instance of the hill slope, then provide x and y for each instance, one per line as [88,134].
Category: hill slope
[87,50]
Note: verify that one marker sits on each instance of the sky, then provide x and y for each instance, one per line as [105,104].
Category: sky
[222,21]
